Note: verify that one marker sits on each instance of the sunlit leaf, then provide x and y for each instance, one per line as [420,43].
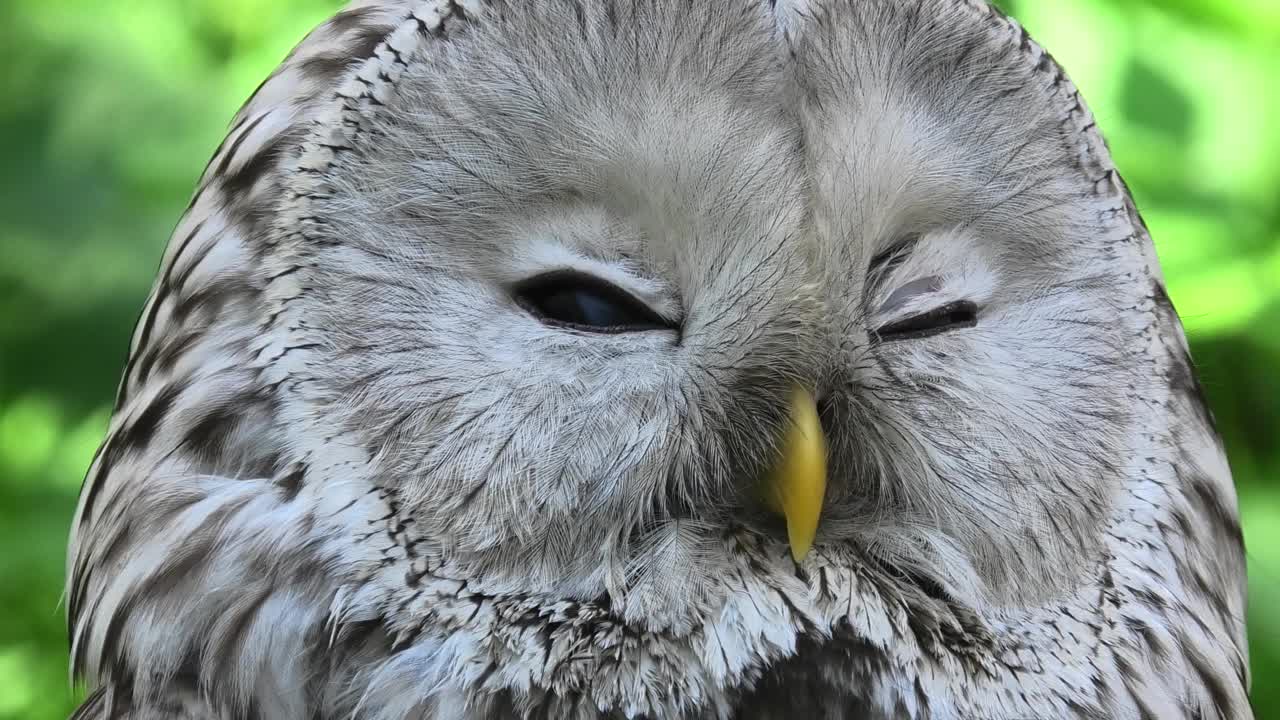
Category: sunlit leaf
[17,692]
[28,434]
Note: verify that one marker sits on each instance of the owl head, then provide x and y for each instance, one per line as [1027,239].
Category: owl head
[567,277]
[566,315]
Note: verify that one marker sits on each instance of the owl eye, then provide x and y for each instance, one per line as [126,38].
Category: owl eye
[582,302]
[952,316]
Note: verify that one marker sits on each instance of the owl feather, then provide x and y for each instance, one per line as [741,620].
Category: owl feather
[376,454]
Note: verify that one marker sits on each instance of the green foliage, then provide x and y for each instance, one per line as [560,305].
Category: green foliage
[111,108]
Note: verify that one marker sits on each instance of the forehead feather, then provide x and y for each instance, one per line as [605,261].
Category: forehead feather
[665,118]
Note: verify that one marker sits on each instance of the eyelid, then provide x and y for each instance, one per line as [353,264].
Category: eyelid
[569,279]
[573,276]
[951,316]
[909,291]
[644,291]
[544,258]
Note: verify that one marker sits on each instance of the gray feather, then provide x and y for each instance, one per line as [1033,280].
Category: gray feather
[348,475]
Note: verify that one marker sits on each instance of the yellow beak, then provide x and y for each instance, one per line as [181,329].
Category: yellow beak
[797,483]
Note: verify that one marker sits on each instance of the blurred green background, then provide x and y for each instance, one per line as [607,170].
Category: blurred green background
[110,108]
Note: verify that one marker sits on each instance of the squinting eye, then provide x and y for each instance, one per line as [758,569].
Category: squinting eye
[952,316]
[582,302]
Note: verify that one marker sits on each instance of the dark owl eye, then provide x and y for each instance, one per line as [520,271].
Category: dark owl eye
[952,316]
[582,302]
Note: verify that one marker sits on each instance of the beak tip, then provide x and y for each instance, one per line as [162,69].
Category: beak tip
[799,554]
[801,542]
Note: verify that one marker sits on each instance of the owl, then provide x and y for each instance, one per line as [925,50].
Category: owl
[661,359]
